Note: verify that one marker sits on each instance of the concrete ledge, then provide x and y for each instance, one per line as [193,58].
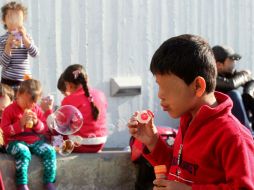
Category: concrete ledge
[106,170]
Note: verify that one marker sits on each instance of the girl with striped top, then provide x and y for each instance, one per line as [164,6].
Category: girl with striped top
[15,45]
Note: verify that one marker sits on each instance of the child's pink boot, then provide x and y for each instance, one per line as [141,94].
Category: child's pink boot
[50,186]
[22,187]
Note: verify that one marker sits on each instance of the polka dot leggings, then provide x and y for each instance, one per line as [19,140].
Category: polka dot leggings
[22,154]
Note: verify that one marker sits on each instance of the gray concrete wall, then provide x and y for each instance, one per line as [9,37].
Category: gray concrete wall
[102,171]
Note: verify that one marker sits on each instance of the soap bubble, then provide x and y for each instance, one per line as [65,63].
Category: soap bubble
[66,148]
[66,120]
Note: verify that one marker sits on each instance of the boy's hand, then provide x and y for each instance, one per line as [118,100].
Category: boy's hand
[163,184]
[146,133]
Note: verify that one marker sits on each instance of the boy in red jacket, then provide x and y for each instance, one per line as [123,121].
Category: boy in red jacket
[212,150]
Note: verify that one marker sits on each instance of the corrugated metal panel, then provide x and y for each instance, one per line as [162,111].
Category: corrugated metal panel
[118,38]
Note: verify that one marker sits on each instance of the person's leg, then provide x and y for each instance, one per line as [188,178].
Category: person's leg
[22,157]
[248,100]
[238,109]
[48,155]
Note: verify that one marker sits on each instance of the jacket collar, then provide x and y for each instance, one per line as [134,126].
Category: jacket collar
[207,113]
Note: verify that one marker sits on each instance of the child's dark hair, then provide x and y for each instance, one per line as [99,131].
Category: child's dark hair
[186,56]
[61,85]
[76,74]
[6,90]
[13,6]
[32,87]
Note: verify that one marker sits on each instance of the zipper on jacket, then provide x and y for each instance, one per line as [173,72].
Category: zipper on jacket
[179,159]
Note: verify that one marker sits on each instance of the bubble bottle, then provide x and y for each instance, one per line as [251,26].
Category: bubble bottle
[160,171]
[144,116]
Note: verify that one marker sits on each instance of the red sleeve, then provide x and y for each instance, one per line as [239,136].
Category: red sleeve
[239,168]
[41,126]
[10,128]
[47,113]
[161,155]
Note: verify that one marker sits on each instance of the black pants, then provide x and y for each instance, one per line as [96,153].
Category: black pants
[10,82]
[248,100]
[14,84]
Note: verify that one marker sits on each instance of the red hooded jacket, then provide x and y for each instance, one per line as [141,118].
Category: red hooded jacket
[212,152]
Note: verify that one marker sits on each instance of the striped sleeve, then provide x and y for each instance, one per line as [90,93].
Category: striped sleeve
[32,50]
[4,58]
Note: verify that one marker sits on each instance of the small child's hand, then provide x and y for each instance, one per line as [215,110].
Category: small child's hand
[10,40]
[27,117]
[9,44]
[23,119]
[22,30]
[33,117]
[47,103]
[163,184]
[26,40]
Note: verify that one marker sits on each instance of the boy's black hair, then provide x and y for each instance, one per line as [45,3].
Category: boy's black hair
[186,56]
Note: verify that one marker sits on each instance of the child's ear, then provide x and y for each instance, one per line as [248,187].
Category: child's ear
[200,86]
[219,66]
